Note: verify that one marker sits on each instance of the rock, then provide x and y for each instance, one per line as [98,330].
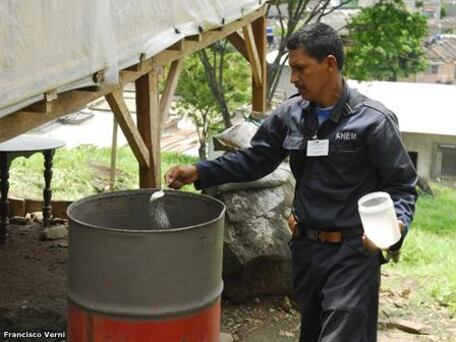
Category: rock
[280,176]
[54,233]
[58,221]
[286,333]
[246,205]
[225,337]
[410,327]
[256,259]
[62,245]
[20,221]
[37,216]
[286,305]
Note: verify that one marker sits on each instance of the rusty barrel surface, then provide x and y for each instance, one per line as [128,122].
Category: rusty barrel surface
[129,281]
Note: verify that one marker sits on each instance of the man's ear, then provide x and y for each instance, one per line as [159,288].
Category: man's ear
[331,63]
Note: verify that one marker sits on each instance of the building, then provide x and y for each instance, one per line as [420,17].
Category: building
[441,54]
[427,119]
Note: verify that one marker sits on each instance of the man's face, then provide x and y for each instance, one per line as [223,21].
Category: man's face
[308,75]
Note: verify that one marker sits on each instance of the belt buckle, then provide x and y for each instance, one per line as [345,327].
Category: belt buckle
[314,235]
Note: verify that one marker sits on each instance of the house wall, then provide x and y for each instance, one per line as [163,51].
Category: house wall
[426,145]
[445,74]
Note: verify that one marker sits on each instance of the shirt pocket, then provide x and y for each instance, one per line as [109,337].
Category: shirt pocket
[347,168]
[295,142]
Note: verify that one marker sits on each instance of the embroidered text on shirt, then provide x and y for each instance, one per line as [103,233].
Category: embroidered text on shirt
[346,136]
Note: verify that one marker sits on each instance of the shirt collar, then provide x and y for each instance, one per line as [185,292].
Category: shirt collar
[339,107]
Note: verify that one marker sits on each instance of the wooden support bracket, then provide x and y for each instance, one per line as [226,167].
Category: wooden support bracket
[239,43]
[126,123]
[170,88]
[252,52]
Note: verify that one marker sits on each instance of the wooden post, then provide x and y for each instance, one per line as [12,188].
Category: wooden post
[149,126]
[259,91]
[112,175]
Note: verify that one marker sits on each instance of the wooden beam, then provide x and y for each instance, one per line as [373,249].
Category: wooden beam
[194,38]
[259,91]
[208,38]
[239,43]
[149,125]
[178,46]
[126,123]
[41,107]
[252,52]
[170,88]
[44,106]
[21,122]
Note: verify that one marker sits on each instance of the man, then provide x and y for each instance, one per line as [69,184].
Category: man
[342,146]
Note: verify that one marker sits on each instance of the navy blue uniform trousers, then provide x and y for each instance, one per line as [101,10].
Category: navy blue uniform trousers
[337,289]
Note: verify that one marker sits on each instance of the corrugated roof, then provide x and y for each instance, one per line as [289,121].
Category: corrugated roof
[420,107]
[442,49]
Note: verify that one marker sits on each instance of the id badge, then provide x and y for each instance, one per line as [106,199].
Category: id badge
[317,148]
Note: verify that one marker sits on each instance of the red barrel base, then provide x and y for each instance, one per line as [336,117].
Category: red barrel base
[202,326]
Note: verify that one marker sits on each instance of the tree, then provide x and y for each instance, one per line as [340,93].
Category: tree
[386,42]
[198,102]
[292,15]
[227,77]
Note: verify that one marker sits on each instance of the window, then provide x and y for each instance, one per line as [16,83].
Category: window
[434,69]
[446,161]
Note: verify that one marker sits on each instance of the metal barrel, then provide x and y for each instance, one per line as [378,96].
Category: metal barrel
[130,281]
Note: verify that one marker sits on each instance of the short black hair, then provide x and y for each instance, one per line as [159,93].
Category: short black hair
[318,40]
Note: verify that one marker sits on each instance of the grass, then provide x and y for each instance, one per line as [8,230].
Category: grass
[82,171]
[429,253]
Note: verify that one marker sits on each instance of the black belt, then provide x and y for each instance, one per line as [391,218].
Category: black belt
[328,236]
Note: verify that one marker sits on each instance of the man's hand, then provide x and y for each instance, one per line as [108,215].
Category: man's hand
[370,246]
[180,175]
[293,225]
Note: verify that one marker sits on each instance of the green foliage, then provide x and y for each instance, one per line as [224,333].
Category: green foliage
[230,69]
[195,94]
[429,253]
[443,12]
[386,42]
[81,171]
[198,101]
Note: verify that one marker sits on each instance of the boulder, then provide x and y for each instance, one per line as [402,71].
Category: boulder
[256,258]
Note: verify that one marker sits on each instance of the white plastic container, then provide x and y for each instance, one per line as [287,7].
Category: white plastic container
[379,220]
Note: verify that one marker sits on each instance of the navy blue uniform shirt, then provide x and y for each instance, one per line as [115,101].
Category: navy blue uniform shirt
[366,154]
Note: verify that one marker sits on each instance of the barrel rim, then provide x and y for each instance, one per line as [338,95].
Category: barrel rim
[107,195]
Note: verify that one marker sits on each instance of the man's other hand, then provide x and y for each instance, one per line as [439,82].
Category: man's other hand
[180,175]
[369,245]
[293,225]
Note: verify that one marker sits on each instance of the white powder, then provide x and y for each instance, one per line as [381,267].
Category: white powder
[157,215]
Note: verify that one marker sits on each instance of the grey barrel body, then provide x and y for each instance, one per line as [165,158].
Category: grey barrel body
[121,265]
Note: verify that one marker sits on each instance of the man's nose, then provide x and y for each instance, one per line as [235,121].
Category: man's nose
[293,78]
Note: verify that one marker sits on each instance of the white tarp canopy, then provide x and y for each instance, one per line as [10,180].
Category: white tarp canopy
[58,45]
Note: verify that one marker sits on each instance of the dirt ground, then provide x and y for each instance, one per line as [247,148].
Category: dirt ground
[33,298]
